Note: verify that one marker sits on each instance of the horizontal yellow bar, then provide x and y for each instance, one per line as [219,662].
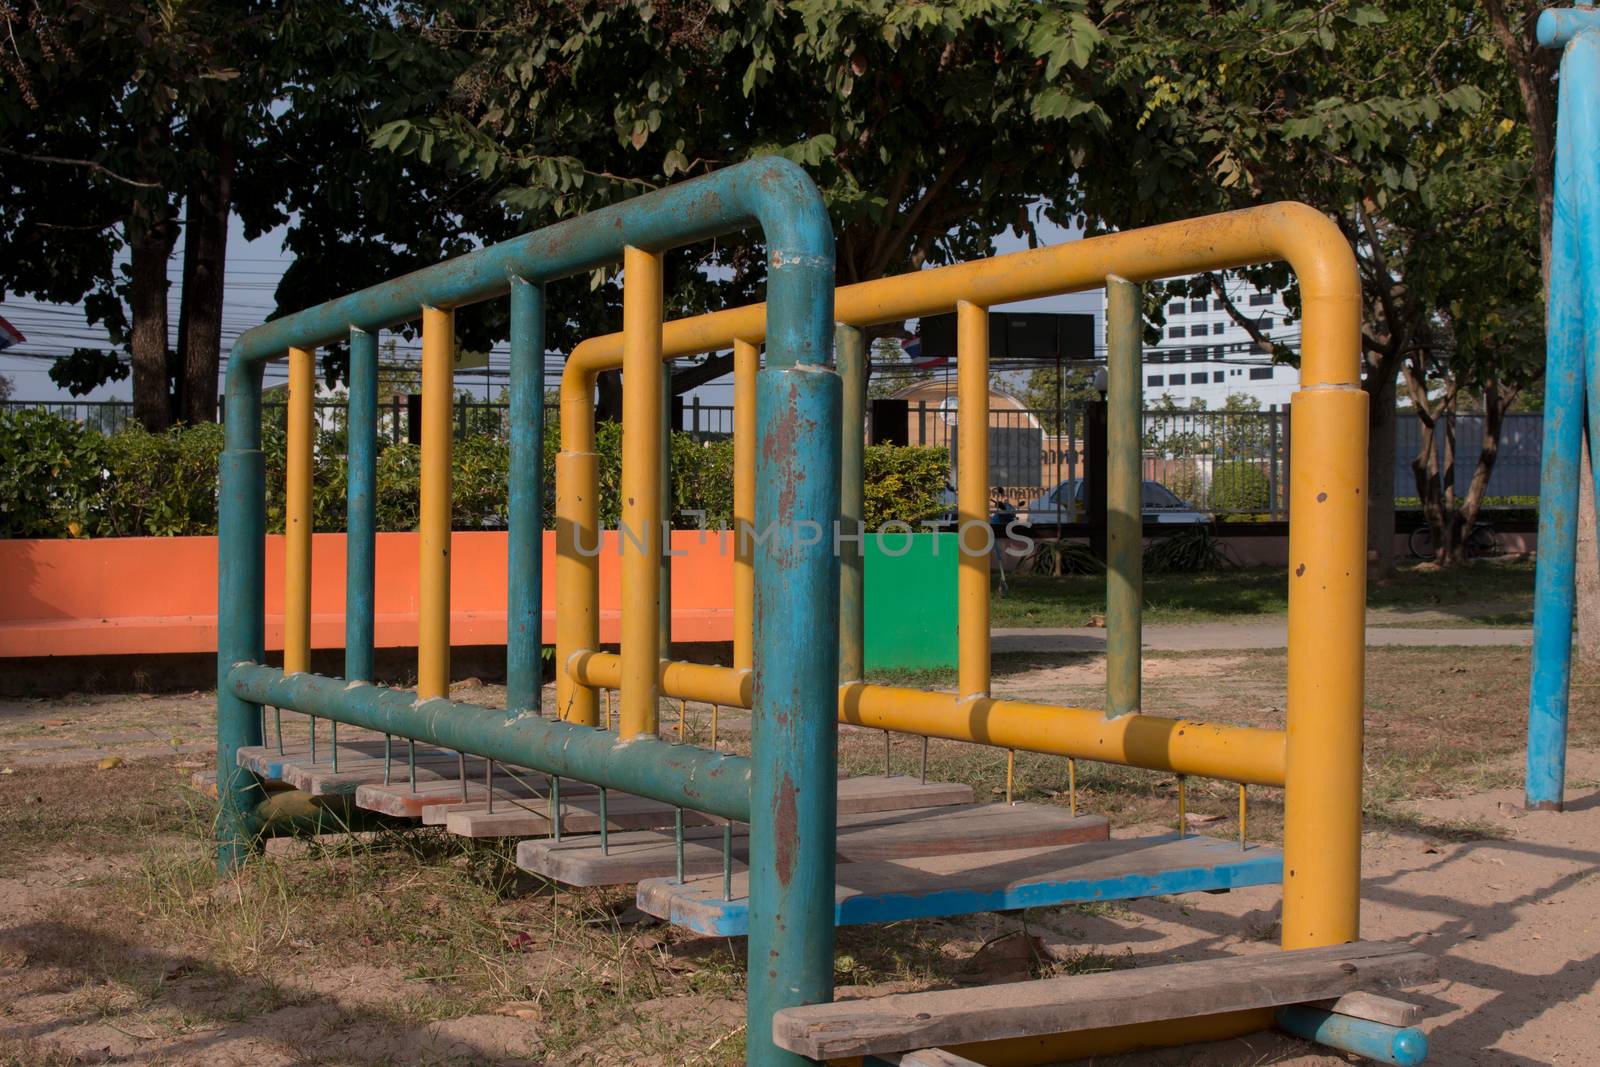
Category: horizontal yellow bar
[1245,754]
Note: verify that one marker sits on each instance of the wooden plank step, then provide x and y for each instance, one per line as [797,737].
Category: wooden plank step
[357,768]
[1088,1001]
[633,857]
[865,793]
[971,883]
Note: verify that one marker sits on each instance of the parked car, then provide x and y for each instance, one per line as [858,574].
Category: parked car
[1070,501]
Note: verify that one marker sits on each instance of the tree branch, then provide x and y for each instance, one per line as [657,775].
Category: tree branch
[88,164]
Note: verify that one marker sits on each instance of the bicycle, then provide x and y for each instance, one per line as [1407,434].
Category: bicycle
[1482,542]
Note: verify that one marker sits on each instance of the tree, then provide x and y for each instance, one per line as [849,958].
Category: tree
[1336,105]
[124,123]
[929,129]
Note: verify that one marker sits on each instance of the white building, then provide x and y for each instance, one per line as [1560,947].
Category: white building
[1206,356]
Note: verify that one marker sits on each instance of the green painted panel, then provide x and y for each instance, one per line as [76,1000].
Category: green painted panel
[910,600]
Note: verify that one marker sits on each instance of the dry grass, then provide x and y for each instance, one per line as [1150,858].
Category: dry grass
[381,938]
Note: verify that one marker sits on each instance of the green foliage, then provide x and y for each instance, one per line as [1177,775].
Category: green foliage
[903,483]
[1059,558]
[159,484]
[1240,485]
[50,475]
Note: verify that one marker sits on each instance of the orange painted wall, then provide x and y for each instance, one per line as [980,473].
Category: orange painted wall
[159,594]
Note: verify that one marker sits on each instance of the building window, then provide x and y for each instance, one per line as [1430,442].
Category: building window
[1197,305]
[1197,355]
[1260,300]
[1177,331]
[1175,308]
[1265,322]
[1218,304]
[1218,327]
[1260,373]
[1216,352]
[1234,373]
[1155,379]
[1177,379]
[1157,356]
[1216,376]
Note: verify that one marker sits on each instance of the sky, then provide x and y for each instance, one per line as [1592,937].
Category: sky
[252,274]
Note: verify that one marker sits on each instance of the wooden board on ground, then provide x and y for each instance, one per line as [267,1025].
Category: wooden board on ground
[1088,1001]
[865,793]
[971,883]
[1372,1007]
[633,857]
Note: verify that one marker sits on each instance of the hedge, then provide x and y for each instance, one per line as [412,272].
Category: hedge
[61,479]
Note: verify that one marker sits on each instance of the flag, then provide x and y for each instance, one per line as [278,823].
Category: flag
[9,335]
[912,347]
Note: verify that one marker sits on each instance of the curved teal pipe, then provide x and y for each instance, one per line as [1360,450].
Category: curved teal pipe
[1405,1046]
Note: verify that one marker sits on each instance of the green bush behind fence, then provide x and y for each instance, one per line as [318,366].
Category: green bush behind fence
[59,478]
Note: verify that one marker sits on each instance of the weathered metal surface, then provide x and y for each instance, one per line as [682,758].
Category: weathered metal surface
[241,635]
[525,509]
[793,724]
[361,525]
[1572,364]
[1124,495]
[677,774]
[850,358]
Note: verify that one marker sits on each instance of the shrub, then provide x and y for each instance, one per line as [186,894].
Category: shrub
[1240,486]
[50,475]
[160,484]
[904,483]
[1191,550]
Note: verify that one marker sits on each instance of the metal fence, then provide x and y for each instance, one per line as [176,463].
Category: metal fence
[1225,462]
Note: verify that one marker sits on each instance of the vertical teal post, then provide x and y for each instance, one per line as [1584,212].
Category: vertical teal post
[525,562]
[361,459]
[850,359]
[794,726]
[665,629]
[241,614]
[1572,335]
[1124,498]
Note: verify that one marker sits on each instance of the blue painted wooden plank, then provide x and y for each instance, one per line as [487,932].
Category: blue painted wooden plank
[1031,878]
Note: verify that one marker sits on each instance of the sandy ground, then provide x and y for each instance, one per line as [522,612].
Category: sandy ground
[1508,901]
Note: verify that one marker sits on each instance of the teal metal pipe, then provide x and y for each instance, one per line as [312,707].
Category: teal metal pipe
[684,775]
[850,359]
[772,193]
[525,508]
[361,522]
[241,574]
[1572,329]
[1124,495]
[794,732]
[1405,1046]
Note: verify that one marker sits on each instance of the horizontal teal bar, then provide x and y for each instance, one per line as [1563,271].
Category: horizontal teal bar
[685,775]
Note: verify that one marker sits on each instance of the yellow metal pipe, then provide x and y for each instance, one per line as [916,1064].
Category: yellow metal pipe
[297,512]
[433,526]
[686,681]
[1327,646]
[577,578]
[746,365]
[1114,1040]
[974,535]
[641,531]
[1300,235]
[1176,746]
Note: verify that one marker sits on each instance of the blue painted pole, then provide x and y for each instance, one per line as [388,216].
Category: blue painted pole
[524,611]
[793,723]
[1406,1046]
[361,523]
[1576,225]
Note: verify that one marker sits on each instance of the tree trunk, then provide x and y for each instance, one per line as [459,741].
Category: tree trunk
[205,251]
[1380,478]
[151,235]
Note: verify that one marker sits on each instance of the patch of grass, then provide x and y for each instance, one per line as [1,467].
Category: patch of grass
[107,813]
[1484,593]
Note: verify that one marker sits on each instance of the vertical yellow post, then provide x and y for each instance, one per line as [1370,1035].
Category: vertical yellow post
[974,534]
[297,513]
[1327,638]
[641,533]
[433,586]
[577,555]
[746,365]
